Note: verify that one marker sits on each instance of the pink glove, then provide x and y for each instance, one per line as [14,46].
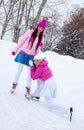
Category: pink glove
[13,53]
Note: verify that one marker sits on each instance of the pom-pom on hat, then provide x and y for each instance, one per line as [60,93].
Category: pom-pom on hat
[42,23]
[39,57]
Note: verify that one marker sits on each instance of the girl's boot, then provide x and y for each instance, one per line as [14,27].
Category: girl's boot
[13,87]
[36,94]
[27,93]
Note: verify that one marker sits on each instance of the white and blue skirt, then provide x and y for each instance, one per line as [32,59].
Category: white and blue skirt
[23,58]
[47,88]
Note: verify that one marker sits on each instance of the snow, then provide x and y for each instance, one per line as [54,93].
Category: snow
[18,113]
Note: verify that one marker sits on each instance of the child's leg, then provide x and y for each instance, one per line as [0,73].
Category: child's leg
[60,110]
[18,73]
[29,79]
[50,104]
[28,84]
[40,84]
[19,70]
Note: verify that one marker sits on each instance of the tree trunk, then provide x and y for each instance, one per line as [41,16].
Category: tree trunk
[39,11]
[1,2]
[16,27]
[18,20]
[8,15]
[22,11]
[27,14]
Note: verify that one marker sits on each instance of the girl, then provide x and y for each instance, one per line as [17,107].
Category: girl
[46,85]
[29,45]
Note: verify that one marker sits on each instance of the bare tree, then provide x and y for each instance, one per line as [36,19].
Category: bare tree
[28,14]
[21,6]
[22,11]
[72,42]
[8,16]
[39,11]
[1,2]
[19,14]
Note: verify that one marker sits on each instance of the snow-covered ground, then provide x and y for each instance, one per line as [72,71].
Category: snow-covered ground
[18,113]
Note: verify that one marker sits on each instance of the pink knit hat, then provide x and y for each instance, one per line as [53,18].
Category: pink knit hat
[42,23]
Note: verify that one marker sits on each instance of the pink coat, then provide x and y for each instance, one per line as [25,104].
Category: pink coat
[42,71]
[23,44]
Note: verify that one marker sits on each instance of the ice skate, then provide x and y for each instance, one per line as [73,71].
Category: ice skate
[27,93]
[13,88]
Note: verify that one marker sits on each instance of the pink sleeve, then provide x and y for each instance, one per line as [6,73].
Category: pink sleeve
[35,72]
[22,40]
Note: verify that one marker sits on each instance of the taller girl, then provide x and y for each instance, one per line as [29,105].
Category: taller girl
[29,45]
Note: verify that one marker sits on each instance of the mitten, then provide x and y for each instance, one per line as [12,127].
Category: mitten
[31,63]
[13,53]
[31,39]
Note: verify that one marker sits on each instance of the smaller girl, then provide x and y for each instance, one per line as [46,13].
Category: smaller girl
[46,84]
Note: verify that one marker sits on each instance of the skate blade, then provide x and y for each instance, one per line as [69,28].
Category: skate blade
[35,98]
[71,113]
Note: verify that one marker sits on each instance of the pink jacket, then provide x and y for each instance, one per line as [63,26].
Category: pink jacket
[23,44]
[42,71]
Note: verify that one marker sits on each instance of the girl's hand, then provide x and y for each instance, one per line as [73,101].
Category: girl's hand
[31,63]
[13,53]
